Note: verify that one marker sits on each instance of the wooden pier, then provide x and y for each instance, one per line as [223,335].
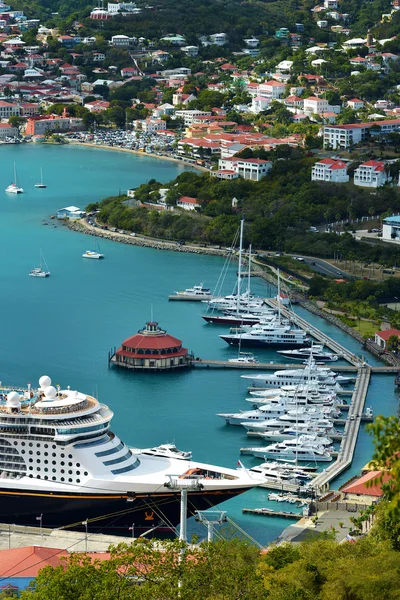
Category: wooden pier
[268,512]
[271,366]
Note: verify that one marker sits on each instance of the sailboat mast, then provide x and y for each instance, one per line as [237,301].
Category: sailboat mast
[279,296]
[239,266]
[249,273]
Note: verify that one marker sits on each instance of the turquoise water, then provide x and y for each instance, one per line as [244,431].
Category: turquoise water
[63,326]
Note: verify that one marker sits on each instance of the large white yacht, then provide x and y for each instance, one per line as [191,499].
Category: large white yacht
[292,395]
[310,373]
[58,458]
[268,335]
[300,450]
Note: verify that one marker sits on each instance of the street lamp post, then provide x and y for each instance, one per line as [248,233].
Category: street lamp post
[132,528]
[85,523]
[40,519]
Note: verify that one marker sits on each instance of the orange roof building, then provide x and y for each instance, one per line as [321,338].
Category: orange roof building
[151,349]
[366,486]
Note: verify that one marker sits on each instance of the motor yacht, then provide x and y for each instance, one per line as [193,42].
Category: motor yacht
[316,351]
[195,293]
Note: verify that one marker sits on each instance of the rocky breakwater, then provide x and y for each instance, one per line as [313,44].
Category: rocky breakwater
[83,227]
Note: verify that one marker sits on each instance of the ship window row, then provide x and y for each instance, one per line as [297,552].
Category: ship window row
[117,460]
[97,442]
[69,431]
[110,450]
[130,467]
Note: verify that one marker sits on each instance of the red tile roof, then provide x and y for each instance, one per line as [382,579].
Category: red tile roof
[187,200]
[385,335]
[27,561]
[360,485]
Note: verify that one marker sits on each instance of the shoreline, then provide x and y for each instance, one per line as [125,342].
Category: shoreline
[81,226]
[149,154]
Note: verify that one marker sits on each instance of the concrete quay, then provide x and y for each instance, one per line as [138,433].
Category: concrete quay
[17,536]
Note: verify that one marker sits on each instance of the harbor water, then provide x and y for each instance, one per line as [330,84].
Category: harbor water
[63,326]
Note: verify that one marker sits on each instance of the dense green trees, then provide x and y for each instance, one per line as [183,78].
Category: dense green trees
[279,210]
[319,569]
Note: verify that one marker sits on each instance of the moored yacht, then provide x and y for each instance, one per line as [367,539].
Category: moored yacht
[310,373]
[59,458]
[268,335]
[196,293]
[299,450]
[316,350]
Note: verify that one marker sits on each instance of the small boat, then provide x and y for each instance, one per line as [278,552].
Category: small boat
[244,358]
[167,451]
[197,292]
[40,271]
[41,184]
[93,253]
[13,188]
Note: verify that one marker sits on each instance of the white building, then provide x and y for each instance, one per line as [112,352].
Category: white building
[6,130]
[391,228]
[70,212]
[344,136]
[121,7]
[150,125]
[271,89]
[249,168]
[371,174]
[355,104]
[330,4]
[120,41]
[187,203]
[259,104]
[315,105]
[8,110]
[219,39]
[190,50]
[189,116]
[331,170]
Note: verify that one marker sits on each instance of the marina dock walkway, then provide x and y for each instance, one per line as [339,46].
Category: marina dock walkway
[271,366]
[347,447]
[317,334]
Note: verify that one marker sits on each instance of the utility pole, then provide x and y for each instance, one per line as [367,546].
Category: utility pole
[211,518]
[184,485]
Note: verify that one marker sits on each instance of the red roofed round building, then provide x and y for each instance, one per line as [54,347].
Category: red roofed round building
[152,349]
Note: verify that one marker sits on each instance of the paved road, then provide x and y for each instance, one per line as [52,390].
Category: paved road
[323,267]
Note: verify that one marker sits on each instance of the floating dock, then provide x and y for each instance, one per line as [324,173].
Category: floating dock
[268,512]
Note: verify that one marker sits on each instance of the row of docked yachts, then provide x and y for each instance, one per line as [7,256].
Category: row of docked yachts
[296,420]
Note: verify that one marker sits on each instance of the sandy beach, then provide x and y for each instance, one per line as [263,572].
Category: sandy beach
[151,155]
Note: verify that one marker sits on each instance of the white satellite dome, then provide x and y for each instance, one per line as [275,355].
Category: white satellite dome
[13,399]
[44,381]
[50,392]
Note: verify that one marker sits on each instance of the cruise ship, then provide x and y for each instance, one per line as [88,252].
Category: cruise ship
[59,459]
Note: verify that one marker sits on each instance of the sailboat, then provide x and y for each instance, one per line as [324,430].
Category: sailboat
[41,184]
[13,188]
[42,271]
[241,310]
[93,253]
